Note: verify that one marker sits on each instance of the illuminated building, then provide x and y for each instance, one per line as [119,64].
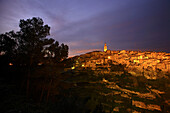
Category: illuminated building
[105,47]
[109,57]
[135,61]
[73,67]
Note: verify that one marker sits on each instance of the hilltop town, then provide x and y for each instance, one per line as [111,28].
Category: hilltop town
[147,63]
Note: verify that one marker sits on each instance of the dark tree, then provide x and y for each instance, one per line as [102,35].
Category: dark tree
[30,45]
[32,39]
[57,53]
[8,47]
[64,51]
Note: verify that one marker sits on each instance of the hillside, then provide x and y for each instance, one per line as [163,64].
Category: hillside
[152,65]
[122,81]
[83,83]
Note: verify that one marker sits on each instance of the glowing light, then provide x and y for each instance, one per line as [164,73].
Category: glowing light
[73,67]
[82,65]
[109,57]
[40,63]
[105,47]
[10,64]
[146,57]
[136,61]
[140,57]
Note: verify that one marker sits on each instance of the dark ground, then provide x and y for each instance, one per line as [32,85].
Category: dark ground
[50,89]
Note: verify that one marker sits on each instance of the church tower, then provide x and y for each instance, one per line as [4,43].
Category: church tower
[105,47]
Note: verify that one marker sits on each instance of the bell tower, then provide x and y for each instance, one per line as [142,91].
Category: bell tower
[105,47]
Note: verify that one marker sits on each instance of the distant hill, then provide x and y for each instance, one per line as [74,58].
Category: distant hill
[138,63]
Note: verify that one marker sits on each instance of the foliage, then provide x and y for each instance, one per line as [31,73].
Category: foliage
[30,45]
[79,91]
[56,52]
[7,47]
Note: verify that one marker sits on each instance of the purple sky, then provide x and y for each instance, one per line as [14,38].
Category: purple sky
[85,25]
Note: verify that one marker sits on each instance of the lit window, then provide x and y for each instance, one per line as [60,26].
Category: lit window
[10,64]
[109,57]
[73,67]
[136,61]
[40,63]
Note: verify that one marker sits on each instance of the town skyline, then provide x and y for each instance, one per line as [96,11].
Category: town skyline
[105,48]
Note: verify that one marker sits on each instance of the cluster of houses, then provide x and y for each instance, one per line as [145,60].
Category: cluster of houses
[132,60]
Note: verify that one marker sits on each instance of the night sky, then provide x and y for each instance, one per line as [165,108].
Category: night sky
[85,25]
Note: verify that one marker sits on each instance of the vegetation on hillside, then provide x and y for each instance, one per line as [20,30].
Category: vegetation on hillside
[56,90]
